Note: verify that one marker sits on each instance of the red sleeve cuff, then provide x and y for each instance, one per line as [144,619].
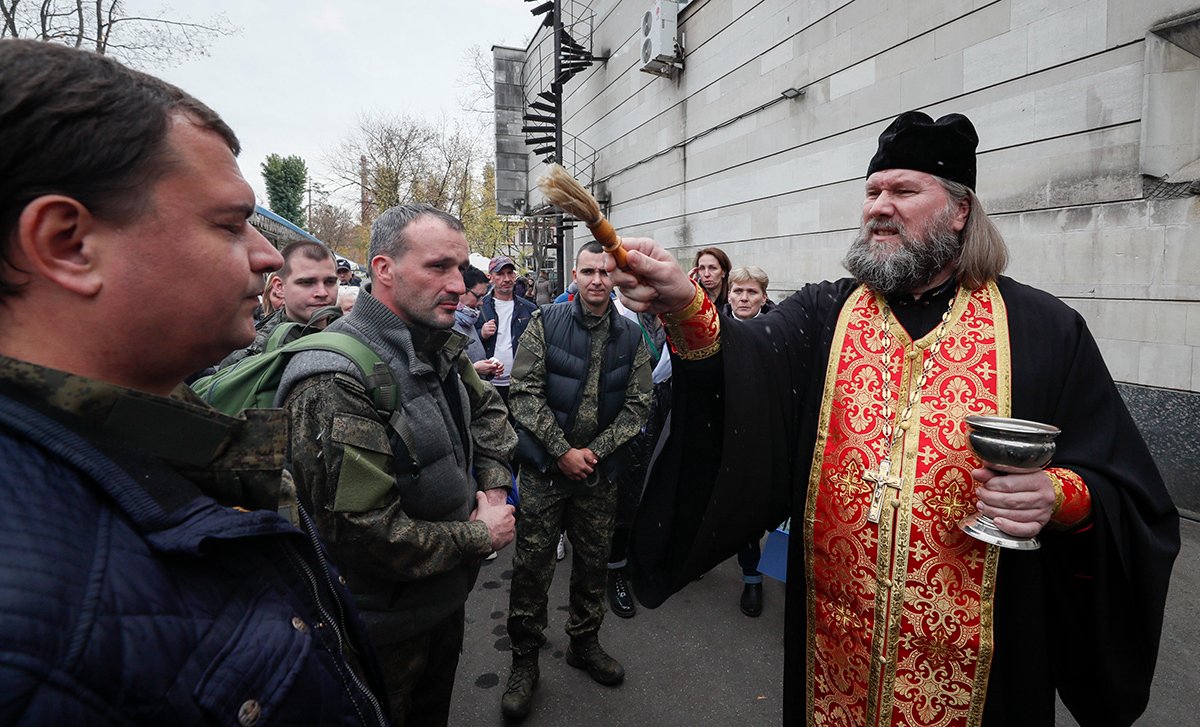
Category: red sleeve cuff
[694,332]
[1073,500]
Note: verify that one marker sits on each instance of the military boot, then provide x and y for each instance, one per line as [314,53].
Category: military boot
[587,654]
[522,680]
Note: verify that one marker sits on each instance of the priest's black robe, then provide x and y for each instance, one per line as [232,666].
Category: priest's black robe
[1081,615]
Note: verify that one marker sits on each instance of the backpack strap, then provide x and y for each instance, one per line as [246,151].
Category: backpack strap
[328,314]
[376,375]
[283,334]
[649,344]
[289,331]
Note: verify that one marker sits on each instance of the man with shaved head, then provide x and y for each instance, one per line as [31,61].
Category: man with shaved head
[410,496]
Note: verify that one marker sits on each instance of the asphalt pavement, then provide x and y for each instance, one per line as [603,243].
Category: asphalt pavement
[697,661]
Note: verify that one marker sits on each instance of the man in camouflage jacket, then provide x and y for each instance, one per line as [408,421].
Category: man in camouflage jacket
[409,501]
[581,391]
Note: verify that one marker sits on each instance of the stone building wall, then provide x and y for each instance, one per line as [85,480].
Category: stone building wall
[1074,101]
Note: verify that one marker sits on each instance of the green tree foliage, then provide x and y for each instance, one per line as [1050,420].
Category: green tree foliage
[286,178]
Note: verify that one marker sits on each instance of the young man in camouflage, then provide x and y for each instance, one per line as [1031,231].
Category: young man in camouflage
[581,391]
[308,283]
[409,501]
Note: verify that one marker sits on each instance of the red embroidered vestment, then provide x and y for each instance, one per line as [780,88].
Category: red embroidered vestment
[899,612]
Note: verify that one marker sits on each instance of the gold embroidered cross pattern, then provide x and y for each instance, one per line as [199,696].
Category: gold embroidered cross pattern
[882,479]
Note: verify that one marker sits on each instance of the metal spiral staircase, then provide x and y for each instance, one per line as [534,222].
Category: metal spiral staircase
[559,56]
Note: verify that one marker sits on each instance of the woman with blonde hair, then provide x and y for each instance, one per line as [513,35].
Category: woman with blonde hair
[272,297]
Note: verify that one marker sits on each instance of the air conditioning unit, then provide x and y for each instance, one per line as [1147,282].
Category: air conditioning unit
[660,26]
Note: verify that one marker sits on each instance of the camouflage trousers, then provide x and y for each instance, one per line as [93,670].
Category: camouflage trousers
[548,505]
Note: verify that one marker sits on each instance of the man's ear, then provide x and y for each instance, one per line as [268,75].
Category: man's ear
[961,214]
[54,238]
[383,270]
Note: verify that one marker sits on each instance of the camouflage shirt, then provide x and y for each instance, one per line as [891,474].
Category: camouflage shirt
[527,397]
[343,461]
[237,461]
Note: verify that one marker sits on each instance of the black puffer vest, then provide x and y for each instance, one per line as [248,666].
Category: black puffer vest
[568,343]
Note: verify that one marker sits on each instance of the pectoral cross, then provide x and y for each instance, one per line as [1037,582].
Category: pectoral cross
[882,480]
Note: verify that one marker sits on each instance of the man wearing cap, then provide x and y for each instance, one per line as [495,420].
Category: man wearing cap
[503,320]
[854,425]
[346,274]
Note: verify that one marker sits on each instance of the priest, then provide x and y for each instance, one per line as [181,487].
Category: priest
[845,410]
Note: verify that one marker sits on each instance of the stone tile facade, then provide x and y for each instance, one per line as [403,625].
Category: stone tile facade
[1069,123]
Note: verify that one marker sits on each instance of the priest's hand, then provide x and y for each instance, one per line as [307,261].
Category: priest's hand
[1020,505]
[653,282]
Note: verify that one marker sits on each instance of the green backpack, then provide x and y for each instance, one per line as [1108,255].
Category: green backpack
[252,382]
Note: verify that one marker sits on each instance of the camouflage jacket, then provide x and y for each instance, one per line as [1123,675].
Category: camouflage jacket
[528,395]
[392,492]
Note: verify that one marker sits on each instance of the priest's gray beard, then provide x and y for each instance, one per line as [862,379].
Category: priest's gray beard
[908,266]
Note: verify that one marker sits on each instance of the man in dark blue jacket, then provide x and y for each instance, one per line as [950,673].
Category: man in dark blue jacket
[151,574]
[505,317]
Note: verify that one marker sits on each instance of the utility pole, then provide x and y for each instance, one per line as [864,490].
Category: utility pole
[308,206]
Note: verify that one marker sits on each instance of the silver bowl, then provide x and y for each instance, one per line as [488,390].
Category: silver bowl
[1014,446]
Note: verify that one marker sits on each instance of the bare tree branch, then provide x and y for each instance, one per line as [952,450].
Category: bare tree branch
[163,21]
[104,24]
[9,12]
[138,40]
[396,160]
[44,16]
[476,80]
[79,24]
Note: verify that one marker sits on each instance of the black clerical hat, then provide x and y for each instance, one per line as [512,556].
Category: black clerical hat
[944,148]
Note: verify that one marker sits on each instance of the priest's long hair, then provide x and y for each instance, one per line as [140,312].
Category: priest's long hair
[984,252]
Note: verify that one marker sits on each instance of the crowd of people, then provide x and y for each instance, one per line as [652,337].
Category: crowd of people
[310,562]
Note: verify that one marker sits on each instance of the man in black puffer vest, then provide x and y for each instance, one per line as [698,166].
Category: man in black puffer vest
[580,392]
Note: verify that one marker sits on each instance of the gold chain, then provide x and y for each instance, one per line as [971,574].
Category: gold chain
[914,396]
